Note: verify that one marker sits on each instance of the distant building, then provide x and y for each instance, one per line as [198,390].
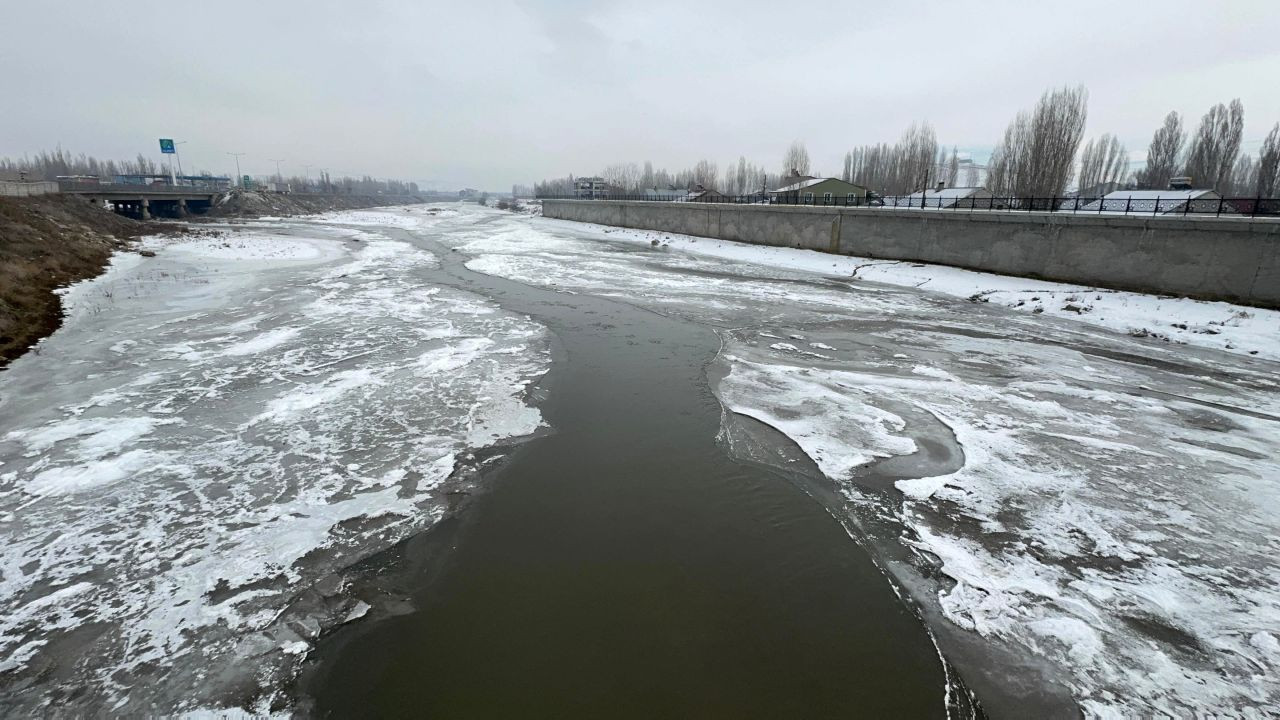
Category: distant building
[467,193]
[1160,202]
[669,192]
[590,187]
[702,194]
[974,198]
[800,189]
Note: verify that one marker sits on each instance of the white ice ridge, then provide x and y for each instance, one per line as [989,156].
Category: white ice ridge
[214,429]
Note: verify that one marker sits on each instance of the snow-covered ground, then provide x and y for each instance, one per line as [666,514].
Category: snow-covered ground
[1115,508]
[213,433]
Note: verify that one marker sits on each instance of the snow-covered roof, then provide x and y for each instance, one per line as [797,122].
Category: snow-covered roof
[800,185]
[951,193]
[809,183]
[1156,200]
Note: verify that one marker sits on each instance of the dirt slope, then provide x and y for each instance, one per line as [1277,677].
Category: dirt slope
[242,203]
[47,243]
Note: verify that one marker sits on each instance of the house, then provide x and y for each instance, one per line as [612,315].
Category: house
[702,194]
[669,192]
[800,189]
[956,198]
[1160,202]
[590,187]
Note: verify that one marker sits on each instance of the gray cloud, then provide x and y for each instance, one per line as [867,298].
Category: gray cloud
[488,94]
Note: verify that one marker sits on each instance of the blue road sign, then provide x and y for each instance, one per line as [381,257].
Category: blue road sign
[166,146]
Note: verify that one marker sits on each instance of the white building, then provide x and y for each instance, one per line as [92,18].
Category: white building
[960,198]
[590,187]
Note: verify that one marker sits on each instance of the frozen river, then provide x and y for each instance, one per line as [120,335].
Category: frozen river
[195,466]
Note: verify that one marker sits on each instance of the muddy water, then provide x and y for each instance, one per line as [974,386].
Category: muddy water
[626,566]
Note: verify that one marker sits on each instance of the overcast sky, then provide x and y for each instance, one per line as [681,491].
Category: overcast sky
[485,94]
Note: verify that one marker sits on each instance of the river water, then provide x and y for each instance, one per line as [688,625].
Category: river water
[626,566]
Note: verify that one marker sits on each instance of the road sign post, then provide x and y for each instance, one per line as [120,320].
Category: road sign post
[168,148]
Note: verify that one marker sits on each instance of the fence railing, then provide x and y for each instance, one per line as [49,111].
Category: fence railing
[27,189]
[1173,205]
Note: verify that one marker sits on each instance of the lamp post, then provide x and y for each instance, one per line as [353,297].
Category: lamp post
[279,178]
[178,155]
[239,177]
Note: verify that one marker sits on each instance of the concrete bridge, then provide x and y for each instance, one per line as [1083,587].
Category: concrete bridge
[144,201]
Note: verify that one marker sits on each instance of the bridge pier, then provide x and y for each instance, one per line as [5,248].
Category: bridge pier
[144,208]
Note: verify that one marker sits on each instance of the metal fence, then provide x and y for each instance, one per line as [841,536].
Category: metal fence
[1173,205]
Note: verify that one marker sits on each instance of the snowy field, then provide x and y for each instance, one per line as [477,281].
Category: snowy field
[1114,511]
[212,434]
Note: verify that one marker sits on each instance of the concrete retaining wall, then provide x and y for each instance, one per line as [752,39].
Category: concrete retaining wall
[1230,259]
[9,188]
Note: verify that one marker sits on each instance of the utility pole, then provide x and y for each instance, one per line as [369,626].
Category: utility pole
[239,177]
[279,178]
[178,155]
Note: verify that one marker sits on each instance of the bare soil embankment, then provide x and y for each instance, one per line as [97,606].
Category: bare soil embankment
[241,203]
[48,243]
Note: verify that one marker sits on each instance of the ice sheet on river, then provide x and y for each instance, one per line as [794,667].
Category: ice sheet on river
[1116,507]
[211,434]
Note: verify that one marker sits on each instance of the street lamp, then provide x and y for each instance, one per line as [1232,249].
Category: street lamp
[178,155]
[239,177]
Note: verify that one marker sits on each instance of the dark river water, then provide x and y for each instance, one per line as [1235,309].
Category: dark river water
[625,565]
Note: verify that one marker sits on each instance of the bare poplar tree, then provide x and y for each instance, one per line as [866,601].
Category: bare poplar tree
[899,168]
[1164,155]
[1268,183]
[1103,160]
[953,168]
[1244,178]
[1036,158]
[706,174]
[971,175]
[797,158]
[1214,147]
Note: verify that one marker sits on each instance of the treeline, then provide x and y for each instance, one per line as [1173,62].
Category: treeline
[1042,153]
[49,165]
[325,183]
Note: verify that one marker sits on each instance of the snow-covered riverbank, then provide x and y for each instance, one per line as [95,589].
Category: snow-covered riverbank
[1217,325]
[212,433]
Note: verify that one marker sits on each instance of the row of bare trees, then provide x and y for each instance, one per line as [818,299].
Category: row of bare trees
[1039,156]
[738,178]
[1036,157]
[1211,157]
[49,165]
[912,163]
